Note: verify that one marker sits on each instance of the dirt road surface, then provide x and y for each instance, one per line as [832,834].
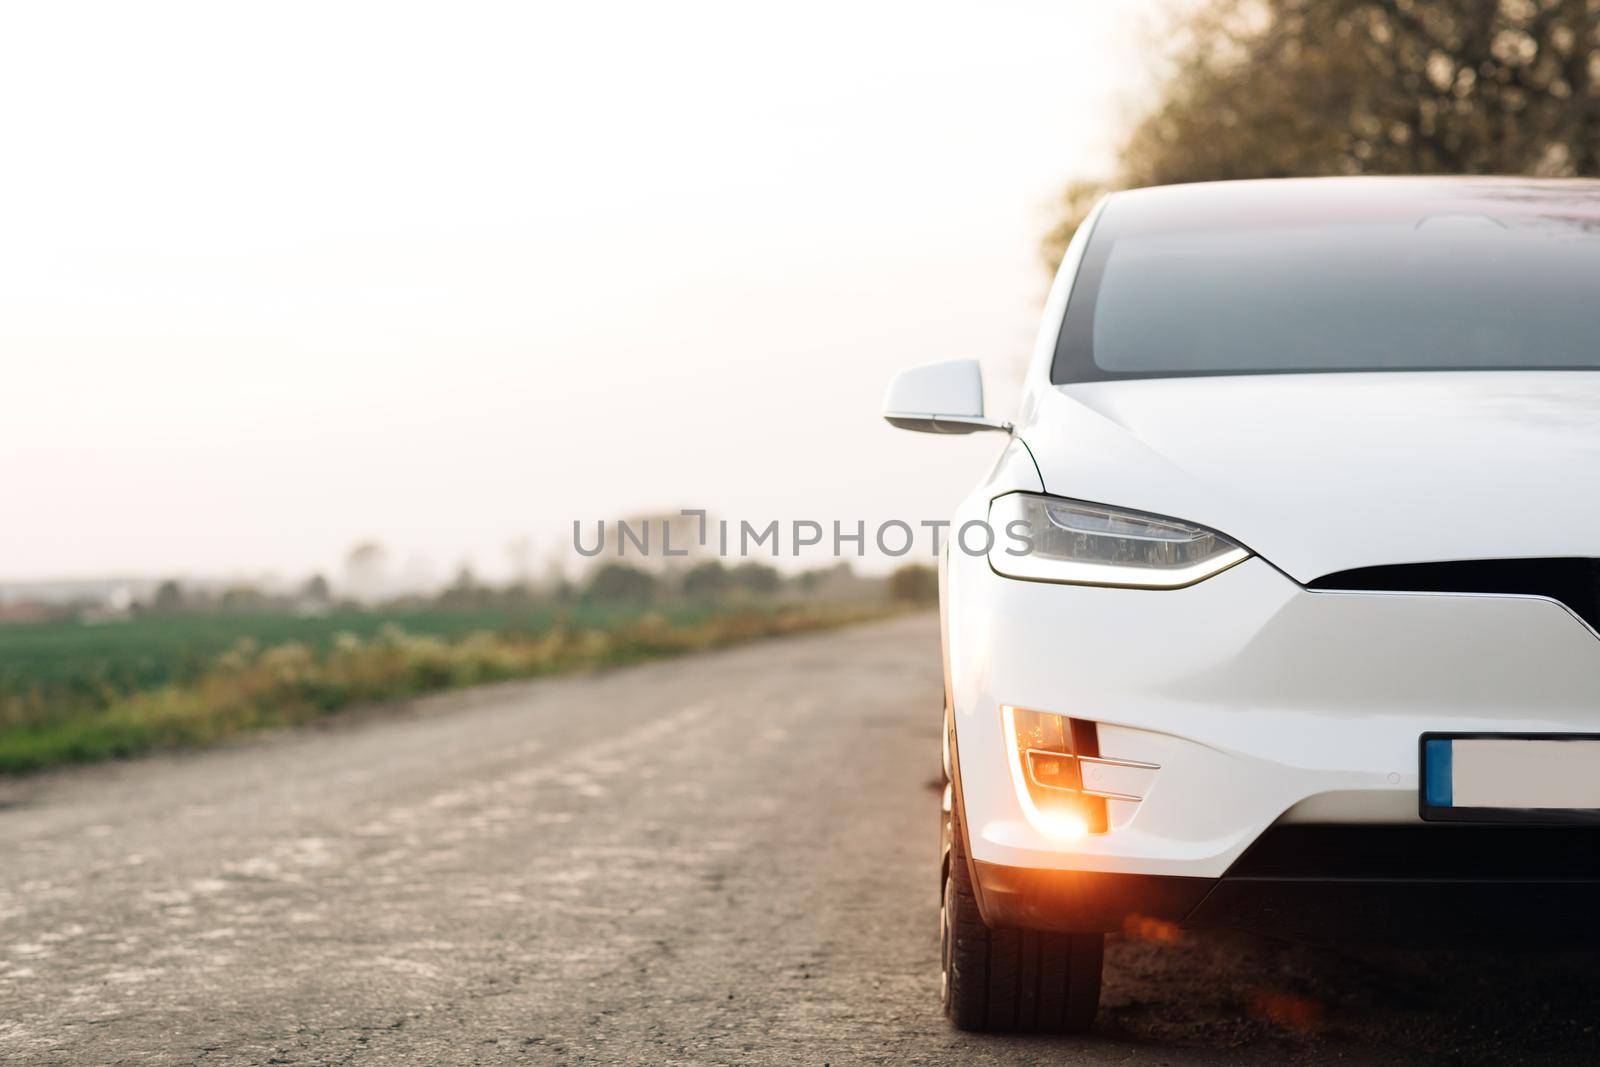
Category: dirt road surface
[721,859]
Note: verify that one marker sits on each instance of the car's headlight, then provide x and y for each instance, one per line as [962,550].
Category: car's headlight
[1049,539]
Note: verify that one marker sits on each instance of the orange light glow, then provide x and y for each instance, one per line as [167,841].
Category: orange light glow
[1146,928]
[1061,825]
[1061,822]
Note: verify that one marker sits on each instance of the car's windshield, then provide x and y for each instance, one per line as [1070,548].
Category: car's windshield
[1388,282]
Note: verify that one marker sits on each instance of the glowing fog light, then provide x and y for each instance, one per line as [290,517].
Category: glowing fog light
[1046,776]
[1061,826]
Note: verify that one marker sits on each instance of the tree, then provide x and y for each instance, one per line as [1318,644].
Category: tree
[914,583]
[756,578]
[620,583]
[835,578]
[1294,88]
[316,590]
[243,597]
[706,581]
[464,590]
[168,598]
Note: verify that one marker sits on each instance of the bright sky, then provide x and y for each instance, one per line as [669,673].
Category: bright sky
[276,278]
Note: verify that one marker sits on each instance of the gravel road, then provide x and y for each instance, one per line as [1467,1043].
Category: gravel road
[721,859]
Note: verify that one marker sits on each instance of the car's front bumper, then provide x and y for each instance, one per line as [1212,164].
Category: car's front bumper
[1414,885]
[1261,703]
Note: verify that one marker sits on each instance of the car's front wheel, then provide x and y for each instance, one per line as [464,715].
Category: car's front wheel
[999,980]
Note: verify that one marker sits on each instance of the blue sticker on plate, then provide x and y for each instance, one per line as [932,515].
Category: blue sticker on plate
[1438,772]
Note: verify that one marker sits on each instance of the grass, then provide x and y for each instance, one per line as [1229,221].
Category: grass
[70,663]
[71,693]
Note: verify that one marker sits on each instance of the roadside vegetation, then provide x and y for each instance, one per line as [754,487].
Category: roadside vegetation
[191,671]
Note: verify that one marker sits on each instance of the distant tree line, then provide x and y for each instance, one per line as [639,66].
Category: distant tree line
[714,581]
[710,581]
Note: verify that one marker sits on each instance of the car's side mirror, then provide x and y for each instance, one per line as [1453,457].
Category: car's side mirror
[940,398]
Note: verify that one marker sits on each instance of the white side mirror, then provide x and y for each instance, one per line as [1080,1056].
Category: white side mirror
[940,398]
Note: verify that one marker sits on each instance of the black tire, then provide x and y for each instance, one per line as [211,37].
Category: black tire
[1011,980]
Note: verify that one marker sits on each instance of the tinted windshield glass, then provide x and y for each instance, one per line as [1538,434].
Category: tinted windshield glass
[1369,277]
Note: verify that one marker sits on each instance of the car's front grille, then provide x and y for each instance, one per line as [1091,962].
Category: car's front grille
[1415,886]
[1574,581]
[1423,853]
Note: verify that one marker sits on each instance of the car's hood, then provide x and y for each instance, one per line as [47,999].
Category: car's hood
[1323,472]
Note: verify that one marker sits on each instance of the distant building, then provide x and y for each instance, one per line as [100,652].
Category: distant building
[366,573]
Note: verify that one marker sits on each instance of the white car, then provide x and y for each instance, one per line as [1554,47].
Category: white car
[1288,622]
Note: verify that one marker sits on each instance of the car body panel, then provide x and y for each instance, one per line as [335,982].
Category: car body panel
[1253,695]
[1302,468]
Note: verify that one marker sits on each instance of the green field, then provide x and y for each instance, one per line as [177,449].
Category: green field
[70,664]
[73,692]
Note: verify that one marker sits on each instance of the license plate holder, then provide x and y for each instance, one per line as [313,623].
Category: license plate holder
[1528,778]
